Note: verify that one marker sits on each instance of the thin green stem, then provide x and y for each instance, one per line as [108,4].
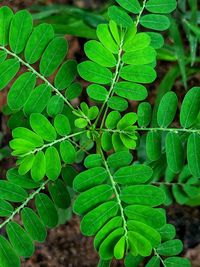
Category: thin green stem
[24,204]
[141,12]
[52,143]
[114,81]
[157,255]
[114,186]
[38,75]
[175,130]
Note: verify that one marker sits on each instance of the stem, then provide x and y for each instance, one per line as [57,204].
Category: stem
[114,186]
[51,144]
[38,75]
[114,81]
[157,255]
[175,130]
[31,196]
[140,14]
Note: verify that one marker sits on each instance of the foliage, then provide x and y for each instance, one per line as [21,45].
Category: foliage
[117,197]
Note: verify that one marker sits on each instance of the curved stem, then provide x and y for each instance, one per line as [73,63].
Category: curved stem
[38,75]
[17,210]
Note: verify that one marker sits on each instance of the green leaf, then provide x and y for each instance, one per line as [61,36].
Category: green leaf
[127,120]
[135,174]
[112,119]
[190,107]
[193,154]
[110,226]
[140,57]
[96,52]
[153,145]
[38,169]
[170,248]
[20,29]
[103,263]
[166,113]
[66,75]
[177,262]
[3,56]
[20,240]
[114,30]
[132,6]
[37,100]
[90,178]
[62,125]
[99,194]
[120,17]
[120,248]
[46,210]
[174,152]
[26,164]
[179,194]
[23,181]
[131,91]
[8,256]
[6,209]
[161,6]
[139,243]
[93,160]
[95,219]
[59,194]
[38,41]
[6,16]
[28,135]
[53,164]
[154,262]
[119,159]
[117,103]
[68,152]
[138,74]
[144,113]
[133,261]
[12,192]
[53,56]
[155,22]
[21,146]
[150,216]
[107,247]
[137,42]
[93,72]
[8,70]
[157,40]
[106,141]
[55,105]
[147,195]
[41,125]
[148,232]
[97,92]
[73,91]
[167,232]
[33,225]
[105,37]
